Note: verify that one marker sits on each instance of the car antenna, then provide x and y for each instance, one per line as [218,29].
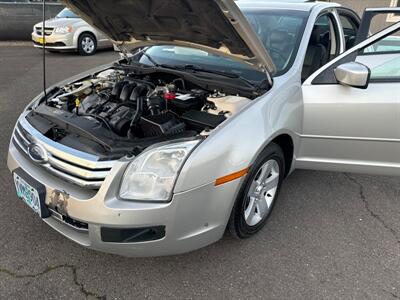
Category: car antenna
[44,50]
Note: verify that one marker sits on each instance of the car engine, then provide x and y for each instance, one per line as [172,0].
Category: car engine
[113,111]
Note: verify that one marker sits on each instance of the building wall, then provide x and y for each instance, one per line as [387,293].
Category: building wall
[17,19]
[381,21]
[360,5]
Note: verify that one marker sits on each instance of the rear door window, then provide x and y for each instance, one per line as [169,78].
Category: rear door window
[350,25]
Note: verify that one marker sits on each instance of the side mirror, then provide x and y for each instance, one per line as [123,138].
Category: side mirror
[353,74]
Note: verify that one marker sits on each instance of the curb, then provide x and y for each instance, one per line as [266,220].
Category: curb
[15,43]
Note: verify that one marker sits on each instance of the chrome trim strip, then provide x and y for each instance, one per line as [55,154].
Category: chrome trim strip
[346,162]
[326,137]
[15,139]
[74,180]
[21,135]
[82,173]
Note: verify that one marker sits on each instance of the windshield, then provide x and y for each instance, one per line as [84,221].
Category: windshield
[177,56]
[66,13]
[281,32]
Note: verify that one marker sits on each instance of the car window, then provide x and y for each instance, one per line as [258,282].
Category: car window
[329,35]
[379,23]
[281,32]
[376,20]
[350,30]
[324,45]
[390,44]
[383,58]
[66,13]
[390,69]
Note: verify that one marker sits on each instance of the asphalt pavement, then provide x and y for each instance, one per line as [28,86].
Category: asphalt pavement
[331,235]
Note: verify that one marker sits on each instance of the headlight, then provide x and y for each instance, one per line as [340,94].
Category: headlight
[63,29]
[152,175]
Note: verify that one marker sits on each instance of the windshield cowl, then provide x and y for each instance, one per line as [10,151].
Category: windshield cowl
[195,60]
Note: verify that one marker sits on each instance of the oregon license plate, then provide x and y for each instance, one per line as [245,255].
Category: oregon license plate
[28,194]
[41,40]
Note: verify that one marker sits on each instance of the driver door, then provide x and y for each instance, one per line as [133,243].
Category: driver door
[351,118]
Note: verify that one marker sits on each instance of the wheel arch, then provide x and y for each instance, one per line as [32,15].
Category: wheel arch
[285,142]
[88,32]
[81,31]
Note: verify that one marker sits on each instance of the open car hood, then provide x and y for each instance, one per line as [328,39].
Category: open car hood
[216,26]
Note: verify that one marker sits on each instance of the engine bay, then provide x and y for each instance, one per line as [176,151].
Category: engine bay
[115,111]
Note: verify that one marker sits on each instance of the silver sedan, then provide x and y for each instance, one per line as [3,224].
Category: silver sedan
[215,103]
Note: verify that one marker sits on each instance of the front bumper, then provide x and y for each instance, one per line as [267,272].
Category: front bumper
[193,219]
[55,41]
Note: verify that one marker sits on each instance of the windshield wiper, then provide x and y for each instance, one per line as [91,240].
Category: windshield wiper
[151,59]
[143,52]
[195,68]
[185,67]
[201,69]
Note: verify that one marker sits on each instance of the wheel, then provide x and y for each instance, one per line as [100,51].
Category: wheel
[258,194]
[87,44]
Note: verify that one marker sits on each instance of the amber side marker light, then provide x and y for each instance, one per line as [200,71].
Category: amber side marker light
[231,177]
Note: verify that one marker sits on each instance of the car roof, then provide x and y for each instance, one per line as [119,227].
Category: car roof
[301,5]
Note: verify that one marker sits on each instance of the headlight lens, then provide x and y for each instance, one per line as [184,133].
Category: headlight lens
[151,176]
[63,29]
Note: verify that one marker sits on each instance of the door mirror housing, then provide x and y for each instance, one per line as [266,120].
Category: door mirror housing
[353,74]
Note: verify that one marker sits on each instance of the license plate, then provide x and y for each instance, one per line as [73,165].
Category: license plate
[41,40]
[28,194]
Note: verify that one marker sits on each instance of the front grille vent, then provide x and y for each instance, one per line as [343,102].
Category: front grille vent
[47,31]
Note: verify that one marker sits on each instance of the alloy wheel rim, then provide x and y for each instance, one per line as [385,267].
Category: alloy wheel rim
[88,45]
[261,194]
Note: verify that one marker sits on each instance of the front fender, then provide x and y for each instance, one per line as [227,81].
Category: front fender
[236,144]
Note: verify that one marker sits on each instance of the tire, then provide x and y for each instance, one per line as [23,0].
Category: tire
[258,193]
[87,44]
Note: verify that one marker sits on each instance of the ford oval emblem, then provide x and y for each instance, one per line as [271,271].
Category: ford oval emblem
[37,153]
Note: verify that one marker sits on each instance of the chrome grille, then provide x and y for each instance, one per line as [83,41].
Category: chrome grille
[47,31]
[74,166]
